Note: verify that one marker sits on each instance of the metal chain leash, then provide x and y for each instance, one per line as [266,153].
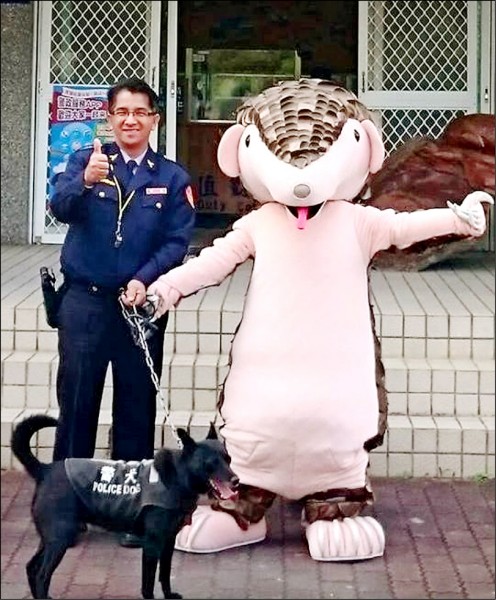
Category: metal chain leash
[136,322]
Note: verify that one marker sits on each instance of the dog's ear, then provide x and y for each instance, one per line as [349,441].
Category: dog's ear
[164,464]
[188,442]
[212,433]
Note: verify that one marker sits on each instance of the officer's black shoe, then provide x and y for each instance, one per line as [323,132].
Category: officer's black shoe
[130,540]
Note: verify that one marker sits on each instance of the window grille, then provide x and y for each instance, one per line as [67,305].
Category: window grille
[418,46]
[400,125]
[418,55]
[96,43]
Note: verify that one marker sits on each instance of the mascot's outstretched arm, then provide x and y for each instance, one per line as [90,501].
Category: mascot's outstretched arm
[300,402]
[210,268]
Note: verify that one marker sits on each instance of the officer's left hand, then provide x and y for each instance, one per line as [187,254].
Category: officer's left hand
[134,294]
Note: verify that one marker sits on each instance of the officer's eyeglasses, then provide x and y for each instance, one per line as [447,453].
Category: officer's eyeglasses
[140,113]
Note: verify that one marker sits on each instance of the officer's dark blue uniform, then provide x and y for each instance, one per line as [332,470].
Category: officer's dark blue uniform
[101,254]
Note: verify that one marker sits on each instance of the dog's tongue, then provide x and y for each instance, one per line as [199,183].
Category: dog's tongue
[302,217]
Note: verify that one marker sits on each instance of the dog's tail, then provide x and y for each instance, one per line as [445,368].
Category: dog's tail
[20,443]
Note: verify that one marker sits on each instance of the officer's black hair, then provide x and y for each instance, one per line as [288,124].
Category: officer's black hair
[135,86]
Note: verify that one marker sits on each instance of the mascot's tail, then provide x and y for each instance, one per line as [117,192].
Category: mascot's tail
[20,443]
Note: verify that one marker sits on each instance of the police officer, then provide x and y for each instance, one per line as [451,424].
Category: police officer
[129,222]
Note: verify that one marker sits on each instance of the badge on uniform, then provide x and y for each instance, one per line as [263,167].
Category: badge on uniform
[157,190]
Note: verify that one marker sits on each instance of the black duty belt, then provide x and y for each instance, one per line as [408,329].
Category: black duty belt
[94,289]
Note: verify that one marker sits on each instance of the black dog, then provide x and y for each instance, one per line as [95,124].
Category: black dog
[151,498]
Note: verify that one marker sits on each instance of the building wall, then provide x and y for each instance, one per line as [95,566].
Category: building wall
[17,52]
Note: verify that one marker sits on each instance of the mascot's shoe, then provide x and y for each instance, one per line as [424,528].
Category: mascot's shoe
[353,538]
[213,531]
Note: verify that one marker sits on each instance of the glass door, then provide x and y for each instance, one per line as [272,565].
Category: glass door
[216,82]
[228,51]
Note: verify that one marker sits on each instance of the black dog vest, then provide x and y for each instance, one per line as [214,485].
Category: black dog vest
[117,491]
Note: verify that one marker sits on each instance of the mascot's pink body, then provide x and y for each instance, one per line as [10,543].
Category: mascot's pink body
[300,399]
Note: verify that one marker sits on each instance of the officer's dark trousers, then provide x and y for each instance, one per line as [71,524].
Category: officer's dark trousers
[92,335]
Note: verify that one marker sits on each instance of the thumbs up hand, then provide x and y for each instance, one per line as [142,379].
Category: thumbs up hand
[98,165]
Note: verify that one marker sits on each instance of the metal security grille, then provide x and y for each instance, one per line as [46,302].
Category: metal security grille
[417,46]
[418,65]
[400,125]
[97,43]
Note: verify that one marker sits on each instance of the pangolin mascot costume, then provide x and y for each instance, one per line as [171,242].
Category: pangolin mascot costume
[300,400]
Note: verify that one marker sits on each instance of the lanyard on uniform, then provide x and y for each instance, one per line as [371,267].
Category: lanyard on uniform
[122,208]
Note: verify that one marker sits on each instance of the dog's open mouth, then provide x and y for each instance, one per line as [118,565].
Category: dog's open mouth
[223,490]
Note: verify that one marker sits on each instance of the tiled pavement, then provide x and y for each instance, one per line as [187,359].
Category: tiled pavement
[439,544]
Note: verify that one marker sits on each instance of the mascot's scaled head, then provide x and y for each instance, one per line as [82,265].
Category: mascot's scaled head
[302,143]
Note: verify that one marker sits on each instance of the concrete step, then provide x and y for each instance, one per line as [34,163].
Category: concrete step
[414,446]
[436,329]
[446,313]
[189,382]
[197,423]
[440,387]
[198,329]
[442,313]
[441,420]
[434,387]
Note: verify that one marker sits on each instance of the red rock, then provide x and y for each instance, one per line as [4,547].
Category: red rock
[425,173]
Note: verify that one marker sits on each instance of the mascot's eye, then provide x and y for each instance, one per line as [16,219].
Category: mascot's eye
[247,141]
[357,135]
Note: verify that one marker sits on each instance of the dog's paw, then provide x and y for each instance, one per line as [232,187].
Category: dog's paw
[173,595]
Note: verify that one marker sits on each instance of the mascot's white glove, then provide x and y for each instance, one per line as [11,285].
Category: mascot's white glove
[471,211]
[162,296]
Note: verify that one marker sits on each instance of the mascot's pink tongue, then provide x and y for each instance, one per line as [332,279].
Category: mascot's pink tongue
[302,217]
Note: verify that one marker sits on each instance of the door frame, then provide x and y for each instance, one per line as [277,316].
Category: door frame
[171,86]
[487,37]
[41,112]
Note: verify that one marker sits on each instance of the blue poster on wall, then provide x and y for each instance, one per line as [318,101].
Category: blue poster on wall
[78,115]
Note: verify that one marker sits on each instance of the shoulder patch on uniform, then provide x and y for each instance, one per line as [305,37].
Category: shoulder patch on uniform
[188,192]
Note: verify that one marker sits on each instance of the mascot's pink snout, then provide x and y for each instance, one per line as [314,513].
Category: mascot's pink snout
[339,173]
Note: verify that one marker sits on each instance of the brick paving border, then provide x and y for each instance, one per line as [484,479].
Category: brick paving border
[440,543]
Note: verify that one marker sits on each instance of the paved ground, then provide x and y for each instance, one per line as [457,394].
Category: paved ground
[440,540]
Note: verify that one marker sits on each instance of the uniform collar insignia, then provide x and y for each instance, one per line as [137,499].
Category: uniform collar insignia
[113,157]
[150,163]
